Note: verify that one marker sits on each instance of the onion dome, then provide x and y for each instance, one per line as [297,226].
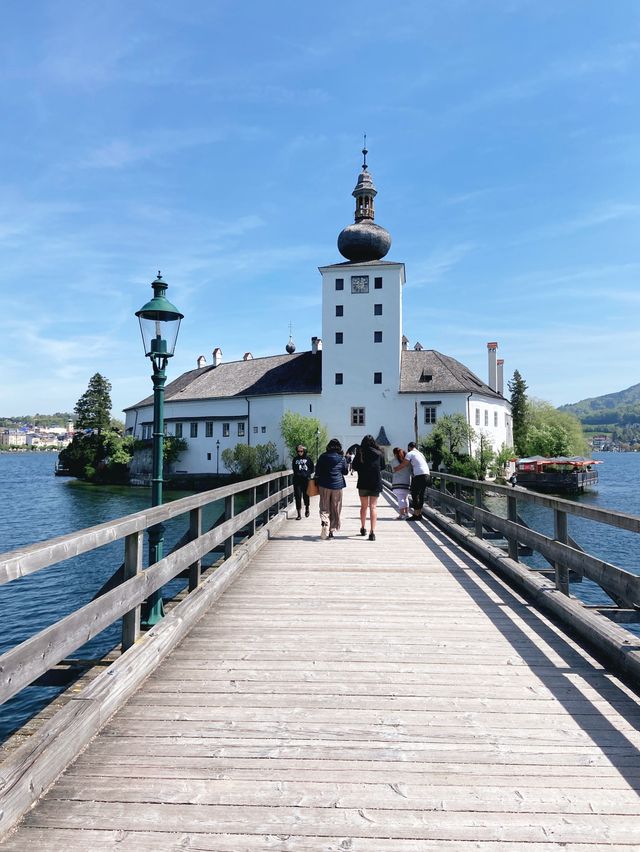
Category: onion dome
[364,240]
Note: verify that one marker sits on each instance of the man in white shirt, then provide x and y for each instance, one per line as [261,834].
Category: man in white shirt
[420,471]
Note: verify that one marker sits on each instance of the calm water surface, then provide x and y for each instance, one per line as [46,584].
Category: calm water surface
[38,506]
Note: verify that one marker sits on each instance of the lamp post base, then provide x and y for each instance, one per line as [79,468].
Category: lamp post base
[152,611]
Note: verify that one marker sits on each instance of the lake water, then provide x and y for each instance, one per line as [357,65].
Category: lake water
[38,506]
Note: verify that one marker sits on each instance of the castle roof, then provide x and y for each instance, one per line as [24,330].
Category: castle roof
[429,371]
[300,372]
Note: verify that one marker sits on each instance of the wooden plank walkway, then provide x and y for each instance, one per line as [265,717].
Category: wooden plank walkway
[356,695]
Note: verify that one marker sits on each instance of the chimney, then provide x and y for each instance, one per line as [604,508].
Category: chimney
[500,388]
[201,362]
[405,342]
[316,345]
[247,356]
[492,349]
[217,356]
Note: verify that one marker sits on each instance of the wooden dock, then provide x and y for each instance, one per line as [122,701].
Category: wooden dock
[355,695]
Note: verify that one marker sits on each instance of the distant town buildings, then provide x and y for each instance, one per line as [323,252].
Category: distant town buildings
[35,437]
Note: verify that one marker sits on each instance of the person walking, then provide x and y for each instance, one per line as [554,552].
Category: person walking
[330,471]
[368,463]
[420,473]
[303,468]
[400,483]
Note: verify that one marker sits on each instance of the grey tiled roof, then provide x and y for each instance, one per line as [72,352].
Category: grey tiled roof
[447,374]
[297,373]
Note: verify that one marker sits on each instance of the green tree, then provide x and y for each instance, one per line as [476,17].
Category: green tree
[484,454]
[248,462]
[93,409]
[298,429]
[549,432]
[518,388]
[456,433]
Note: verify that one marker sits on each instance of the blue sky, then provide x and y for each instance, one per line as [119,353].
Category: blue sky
[220,141]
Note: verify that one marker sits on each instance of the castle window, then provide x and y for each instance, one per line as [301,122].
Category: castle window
[208,456]
[225,430]
[240,430]
[377,310]
[194,430]
[377,283]
[339,283]
[377,337]
[264,429]
[208,429]
[477,416]
[255,430]
[495,418]
[339,378]
[430,413]
[486,418]
[377,378]
[178,431]
[339,310]
[357,416]
[339,337]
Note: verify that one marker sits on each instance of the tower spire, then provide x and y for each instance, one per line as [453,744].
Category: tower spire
[364,240]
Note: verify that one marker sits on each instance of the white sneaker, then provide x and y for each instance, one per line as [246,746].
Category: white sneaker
[324,531]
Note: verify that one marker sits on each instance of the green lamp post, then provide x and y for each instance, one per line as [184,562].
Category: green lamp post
[159,324]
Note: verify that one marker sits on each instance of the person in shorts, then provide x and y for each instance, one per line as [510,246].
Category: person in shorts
[368,464]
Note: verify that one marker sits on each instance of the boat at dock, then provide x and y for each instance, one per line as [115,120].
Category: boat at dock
[557,475]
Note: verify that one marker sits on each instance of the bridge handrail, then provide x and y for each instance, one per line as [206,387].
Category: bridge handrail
[27,661]
[25,560]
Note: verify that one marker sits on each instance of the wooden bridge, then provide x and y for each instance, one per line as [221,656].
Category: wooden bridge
[338,695]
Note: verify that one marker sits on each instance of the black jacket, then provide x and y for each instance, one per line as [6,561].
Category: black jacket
[302,467]
[369,464]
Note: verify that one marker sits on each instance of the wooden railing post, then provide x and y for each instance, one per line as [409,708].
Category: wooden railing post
[512,515]
[561,534]
[133,546]
[254,499]
[228,514]
[477,501]
[195,531]
[458,494]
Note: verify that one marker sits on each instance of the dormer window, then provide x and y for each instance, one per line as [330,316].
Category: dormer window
[425,377]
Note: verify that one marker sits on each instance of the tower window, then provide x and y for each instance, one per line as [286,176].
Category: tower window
[339,378]
[377,283]
[377,337]
[339,337]
[430,414]
[339,283]
[357,416]
[377,310]
[339,310]
[377,378]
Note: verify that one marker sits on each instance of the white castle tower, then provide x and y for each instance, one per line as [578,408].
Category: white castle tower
[361,325]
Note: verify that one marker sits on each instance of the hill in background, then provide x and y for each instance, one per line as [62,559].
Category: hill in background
[615,414]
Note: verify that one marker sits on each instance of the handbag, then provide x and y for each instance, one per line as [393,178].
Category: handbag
[312,488]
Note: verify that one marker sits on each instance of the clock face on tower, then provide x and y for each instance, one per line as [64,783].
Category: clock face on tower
[359,283]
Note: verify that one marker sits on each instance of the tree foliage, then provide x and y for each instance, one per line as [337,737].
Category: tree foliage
[518,389]
[308,431]
[549,432]
[248,462]
[93,409]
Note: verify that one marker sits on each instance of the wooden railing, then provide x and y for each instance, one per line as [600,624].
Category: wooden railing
[459,506]
[23,664]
